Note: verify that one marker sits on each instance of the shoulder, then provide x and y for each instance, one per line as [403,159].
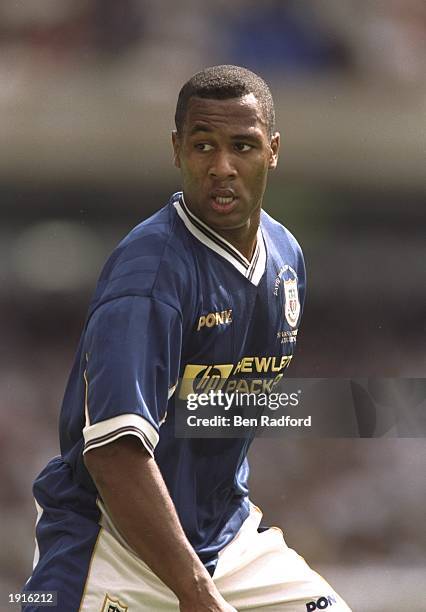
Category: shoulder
[151,261]
[160,235]
[281,237]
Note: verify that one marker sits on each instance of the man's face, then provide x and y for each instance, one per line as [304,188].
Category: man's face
[224,153]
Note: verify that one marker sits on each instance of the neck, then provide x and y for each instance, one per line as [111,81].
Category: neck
[243,239]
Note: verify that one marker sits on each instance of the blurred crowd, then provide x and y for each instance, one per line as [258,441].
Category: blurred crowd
[377,39]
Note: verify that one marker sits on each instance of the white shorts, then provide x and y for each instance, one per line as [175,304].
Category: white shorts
[255,572]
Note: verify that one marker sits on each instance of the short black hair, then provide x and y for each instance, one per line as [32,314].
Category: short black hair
[222,83]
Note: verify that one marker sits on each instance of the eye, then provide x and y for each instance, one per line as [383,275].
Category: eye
[203,147]
[242,147]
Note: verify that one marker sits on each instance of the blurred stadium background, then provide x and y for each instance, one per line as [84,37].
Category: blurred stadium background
[87,96]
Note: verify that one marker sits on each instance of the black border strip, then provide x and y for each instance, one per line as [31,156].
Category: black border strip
[254,262]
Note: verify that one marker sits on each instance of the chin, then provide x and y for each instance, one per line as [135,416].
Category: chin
[226,224]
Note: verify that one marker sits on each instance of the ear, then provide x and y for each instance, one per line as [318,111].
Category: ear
[275,147]
[176,149]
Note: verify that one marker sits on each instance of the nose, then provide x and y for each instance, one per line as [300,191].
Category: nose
[222,166]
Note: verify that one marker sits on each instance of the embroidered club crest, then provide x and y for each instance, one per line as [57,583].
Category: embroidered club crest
[113,605]
[291,304]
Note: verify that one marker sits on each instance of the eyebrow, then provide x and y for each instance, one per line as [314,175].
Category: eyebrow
[246,136]
[199,127]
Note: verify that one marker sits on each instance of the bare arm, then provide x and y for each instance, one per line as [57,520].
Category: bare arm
[149,523]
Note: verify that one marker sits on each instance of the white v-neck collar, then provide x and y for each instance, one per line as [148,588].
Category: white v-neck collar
[253,270]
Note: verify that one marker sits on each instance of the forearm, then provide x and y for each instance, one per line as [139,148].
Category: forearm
[148,522]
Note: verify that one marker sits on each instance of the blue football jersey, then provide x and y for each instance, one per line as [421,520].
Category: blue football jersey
[175,301]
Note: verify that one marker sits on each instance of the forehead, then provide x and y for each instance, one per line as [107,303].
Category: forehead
[243,113]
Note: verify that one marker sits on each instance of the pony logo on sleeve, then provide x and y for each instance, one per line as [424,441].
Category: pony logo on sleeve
[321,604]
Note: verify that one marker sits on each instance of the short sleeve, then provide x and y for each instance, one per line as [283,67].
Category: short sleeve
[132,349]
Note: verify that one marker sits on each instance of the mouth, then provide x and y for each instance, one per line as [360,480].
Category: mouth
[223,201]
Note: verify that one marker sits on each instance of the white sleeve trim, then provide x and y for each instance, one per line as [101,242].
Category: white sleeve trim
[109,430]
